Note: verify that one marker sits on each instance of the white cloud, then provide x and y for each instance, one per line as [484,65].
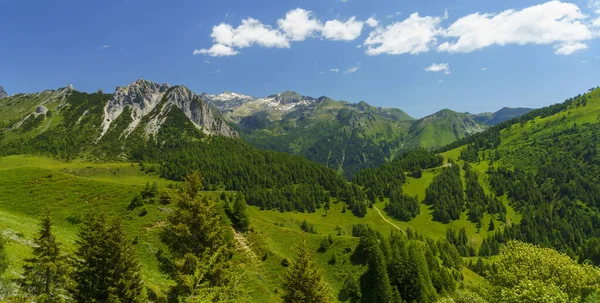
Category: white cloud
[106,46]
[340,30]
[483,69]
[250,32]
[553,22]
[206,61]
[442,67]
[217,50]
[440,81]
[413,35]
[351,70]
[584,62]
[394,15]
[569,48]
[334,70]
[372,22]
[299,24]
[321,72]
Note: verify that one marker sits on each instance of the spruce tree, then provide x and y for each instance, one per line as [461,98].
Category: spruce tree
[375,281]
[46,275]
[91,265]
[239,214]
[200,244]
[303,282]
[491,226]
[125,281]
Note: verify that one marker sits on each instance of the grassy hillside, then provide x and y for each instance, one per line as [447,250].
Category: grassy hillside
[29,184]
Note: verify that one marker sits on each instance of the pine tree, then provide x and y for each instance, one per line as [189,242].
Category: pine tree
[375,281]
[92,269]
[491,227]
[125,280]
[46,275]
[240,217]
[200,243]
[303,283]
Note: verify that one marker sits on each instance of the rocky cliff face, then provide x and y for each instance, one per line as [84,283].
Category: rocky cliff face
[2,93]
[152,101]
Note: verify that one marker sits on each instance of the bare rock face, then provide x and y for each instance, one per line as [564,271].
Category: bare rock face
[153,100]
[3,94]
[41,110]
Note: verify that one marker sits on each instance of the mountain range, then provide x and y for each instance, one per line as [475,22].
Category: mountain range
[341,135]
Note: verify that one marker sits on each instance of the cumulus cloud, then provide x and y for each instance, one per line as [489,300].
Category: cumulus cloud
[217,50]
[553,22]
[334,70]
[413,35]
[299,24]
[105,46]
[569,48]
[340,30]
[442,67]
[250,32]
[351,70]
[560,24]
[372,22]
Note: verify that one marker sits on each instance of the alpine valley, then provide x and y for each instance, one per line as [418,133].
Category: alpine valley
[155,193]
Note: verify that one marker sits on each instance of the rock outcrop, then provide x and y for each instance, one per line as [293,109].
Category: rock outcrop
[150,100]
[3,94]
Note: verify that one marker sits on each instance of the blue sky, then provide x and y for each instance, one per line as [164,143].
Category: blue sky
[420,56]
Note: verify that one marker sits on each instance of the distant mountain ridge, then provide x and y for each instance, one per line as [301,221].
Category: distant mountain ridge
[106,124]
[504,114]
[341,135]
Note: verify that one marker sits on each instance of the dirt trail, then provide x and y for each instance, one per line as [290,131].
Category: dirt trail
[387,221]
[241,240]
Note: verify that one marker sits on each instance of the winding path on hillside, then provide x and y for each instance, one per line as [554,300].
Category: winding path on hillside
[387,221]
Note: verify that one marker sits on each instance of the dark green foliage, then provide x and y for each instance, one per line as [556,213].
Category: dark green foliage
[303,282]
[308,228]
[3,256]
[381,181]
[46,275]
[136,202]
[200,243]
[402,206]
[446,195]
[92,264]
[238,214]
[460,241]
[125,283]
[469,154]
[351,290]
[477,201]
[375,281]
[403,269]
[324,246]
[491,226]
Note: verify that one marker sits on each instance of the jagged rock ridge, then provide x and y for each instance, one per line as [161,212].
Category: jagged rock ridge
[143,97]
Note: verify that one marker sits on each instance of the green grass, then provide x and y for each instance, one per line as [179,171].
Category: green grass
[29,184]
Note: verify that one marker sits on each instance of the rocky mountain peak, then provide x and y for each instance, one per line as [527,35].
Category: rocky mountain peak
[3,94]
[290,97]
[147,98]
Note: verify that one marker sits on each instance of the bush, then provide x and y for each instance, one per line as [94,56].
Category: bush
[285,262]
